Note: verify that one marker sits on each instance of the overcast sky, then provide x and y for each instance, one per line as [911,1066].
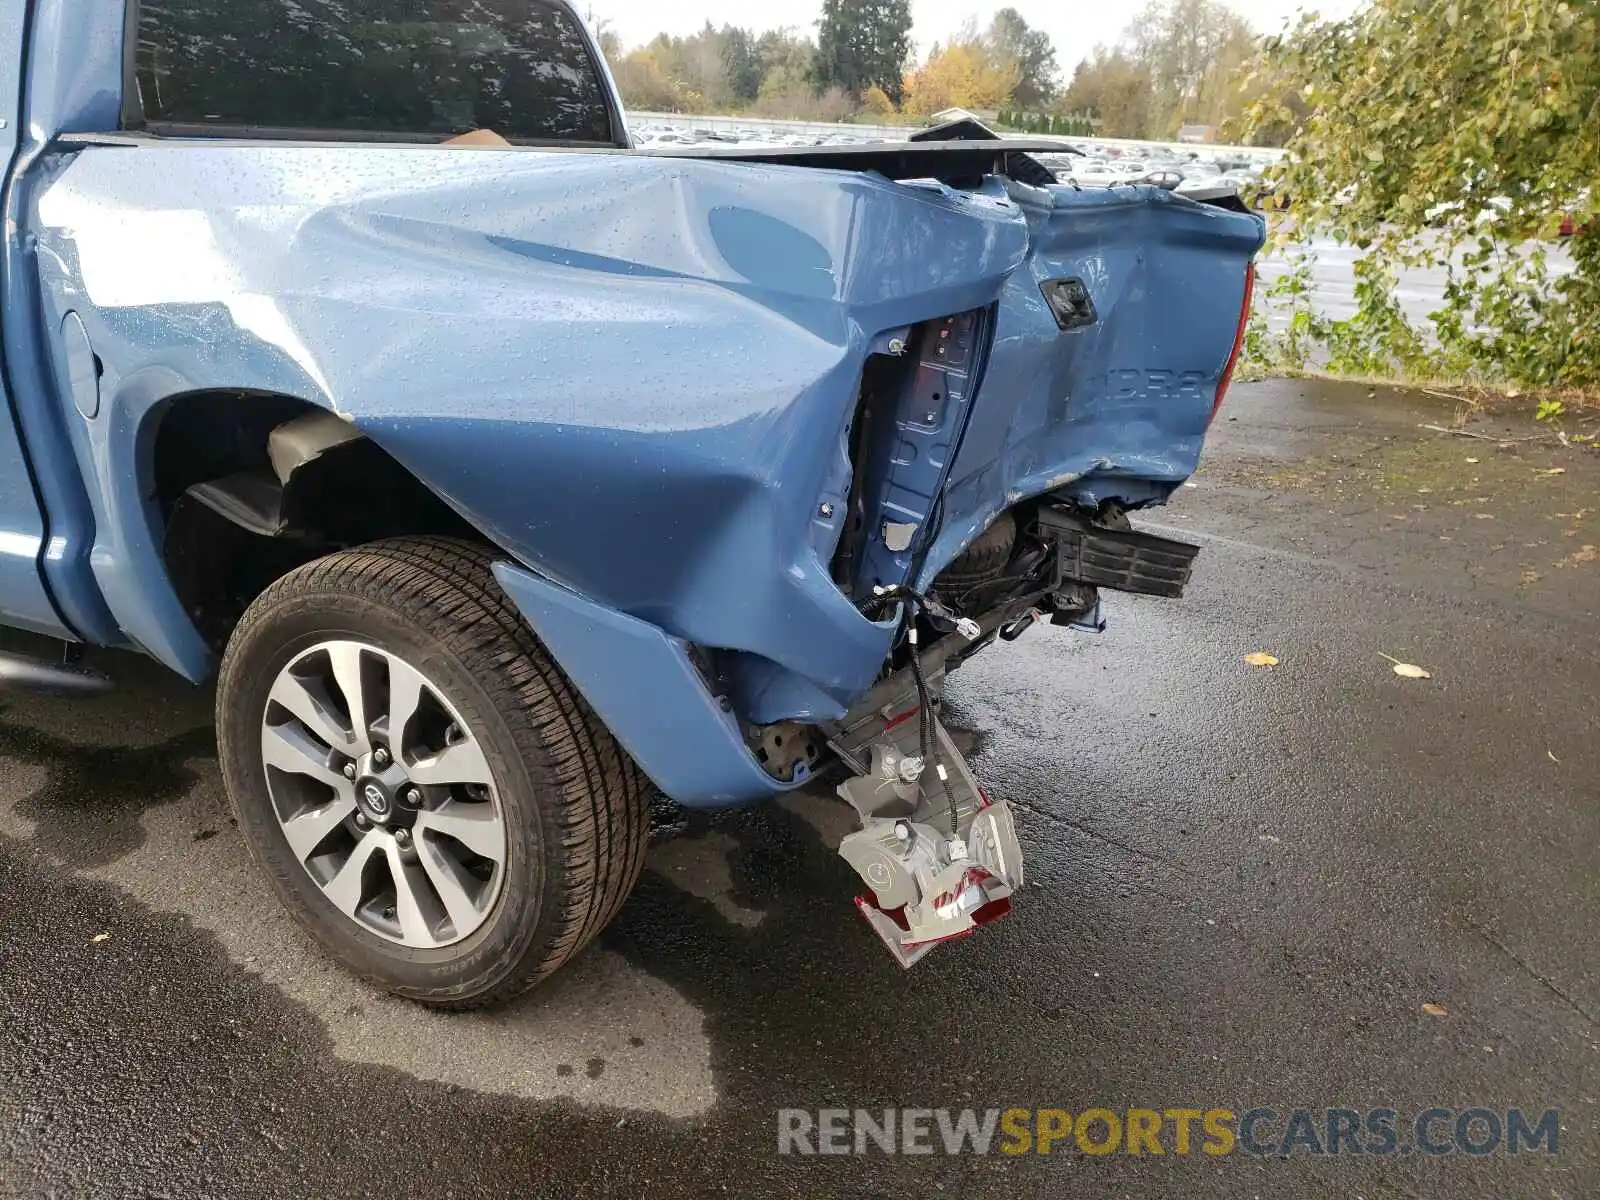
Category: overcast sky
[1075,26]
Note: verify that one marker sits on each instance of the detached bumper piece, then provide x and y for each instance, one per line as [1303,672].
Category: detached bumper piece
[1123,560]
[939,857]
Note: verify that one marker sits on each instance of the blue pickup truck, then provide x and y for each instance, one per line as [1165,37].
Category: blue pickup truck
[503,474]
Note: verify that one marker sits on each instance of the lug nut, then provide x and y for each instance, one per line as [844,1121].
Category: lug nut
[381,757]
[362,822]
[402,837]
[350,770]
[825,511]
[414,797]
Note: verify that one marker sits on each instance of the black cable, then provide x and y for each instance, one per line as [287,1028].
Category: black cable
[915,603]
[930,757]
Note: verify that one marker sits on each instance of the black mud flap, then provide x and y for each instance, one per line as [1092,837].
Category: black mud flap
[1123,560]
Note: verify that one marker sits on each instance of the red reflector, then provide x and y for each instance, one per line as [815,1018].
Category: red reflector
[1238,339]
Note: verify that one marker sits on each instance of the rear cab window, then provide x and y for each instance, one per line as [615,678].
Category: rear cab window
[389,70]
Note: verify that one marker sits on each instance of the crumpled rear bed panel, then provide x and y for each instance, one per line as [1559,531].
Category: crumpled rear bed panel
[1117,409]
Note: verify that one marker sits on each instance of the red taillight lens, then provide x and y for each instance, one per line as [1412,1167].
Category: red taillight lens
[1238,339]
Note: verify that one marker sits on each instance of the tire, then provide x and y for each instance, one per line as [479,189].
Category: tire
[571,808]
[982,561]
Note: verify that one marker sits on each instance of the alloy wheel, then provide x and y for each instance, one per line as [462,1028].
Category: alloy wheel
[384,795]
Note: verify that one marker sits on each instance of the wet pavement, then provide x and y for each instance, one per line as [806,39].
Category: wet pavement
[1246,882]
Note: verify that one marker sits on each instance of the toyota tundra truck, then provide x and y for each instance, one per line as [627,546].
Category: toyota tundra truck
[503,475]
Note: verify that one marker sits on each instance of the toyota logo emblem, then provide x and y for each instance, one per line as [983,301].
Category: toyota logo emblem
[376,800]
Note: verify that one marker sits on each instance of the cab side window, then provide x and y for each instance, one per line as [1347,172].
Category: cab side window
[419,70]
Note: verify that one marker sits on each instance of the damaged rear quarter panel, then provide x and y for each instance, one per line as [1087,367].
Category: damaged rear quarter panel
[631,373]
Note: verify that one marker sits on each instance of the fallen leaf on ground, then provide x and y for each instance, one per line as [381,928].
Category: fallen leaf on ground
[1553,757]
[100,937]
[1552,471]
[1484,516]
[1583,554]
[1472,460]
[1436,1010]
[1530,576]
[1259,659]
[1405,669]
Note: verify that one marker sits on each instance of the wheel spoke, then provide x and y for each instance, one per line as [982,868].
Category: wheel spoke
[345,658]
[344,889]
[290,748]
[308,830]
[405,694]
[461,763]
[449,880]
[475,826]
[313,713]
[408,905]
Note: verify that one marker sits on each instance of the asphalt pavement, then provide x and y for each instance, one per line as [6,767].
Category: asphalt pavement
[1313,884]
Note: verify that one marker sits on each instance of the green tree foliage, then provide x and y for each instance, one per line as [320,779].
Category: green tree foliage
[741,64]
[785,57]
[713,69]
[1011,40]
[1458,134]
[1114,90]
[645,86]
[1180,61]
[786,89]
[863,44]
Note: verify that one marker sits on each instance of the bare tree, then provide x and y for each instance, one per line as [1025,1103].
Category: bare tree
[1176,42]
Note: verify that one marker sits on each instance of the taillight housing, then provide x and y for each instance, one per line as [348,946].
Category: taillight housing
[1238,338]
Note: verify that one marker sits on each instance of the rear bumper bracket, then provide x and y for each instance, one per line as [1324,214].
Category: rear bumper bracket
[1123,560]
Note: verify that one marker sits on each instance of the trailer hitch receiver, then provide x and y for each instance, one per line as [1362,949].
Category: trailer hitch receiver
[939,857]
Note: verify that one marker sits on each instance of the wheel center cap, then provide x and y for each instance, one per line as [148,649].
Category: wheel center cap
[375,798]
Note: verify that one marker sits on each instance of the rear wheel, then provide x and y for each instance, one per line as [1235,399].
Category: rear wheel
[429,794]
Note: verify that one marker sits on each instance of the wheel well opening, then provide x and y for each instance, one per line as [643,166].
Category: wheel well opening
[249,486]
